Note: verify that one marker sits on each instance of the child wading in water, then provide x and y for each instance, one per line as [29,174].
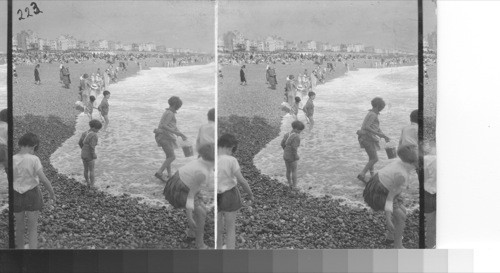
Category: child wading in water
[368,136]
[87,143]
[290,144]
[89,108]
[104,107]
[182,190]
[309,109]
[228,195]
[382,192]
[295,108]
[28,201]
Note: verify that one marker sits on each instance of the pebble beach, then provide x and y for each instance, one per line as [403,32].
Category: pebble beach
[280,218]
[83,218]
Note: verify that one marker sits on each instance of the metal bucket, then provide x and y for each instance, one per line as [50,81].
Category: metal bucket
[188,151]
[391,152]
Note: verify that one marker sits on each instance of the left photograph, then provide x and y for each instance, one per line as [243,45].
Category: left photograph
[114,109]
[4,186]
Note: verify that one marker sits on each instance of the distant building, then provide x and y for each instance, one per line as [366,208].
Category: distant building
[170,50]
[311,45]
[335,48]
[111,45]
[14,43]
[127,47]
[370,49]
[83,45]
[291,45]
[135,47]
[432,39]
[103,44]
[270,44]
[229,39]
[22,43]
[52,44]
[161,48]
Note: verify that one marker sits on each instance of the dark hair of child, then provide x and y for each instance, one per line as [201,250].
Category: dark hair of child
[207,152]
[29,140]
[227,141]
[211,114]
[92,98]
[3,115]
[297,99]
[407,154]
[414,116]
[106,92]
[378,103]
[298,125]
[175,102]
[95,124]
[311,93]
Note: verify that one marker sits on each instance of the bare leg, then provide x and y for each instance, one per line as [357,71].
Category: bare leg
[293,166]
[220,229]
[19,216]
[86,172]
[33,228]
[430,230]
[91,165]
[399,226]
[230,218]
[288,173]
[200,215]
[372,159]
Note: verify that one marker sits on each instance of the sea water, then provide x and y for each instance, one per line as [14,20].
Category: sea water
[330,155]
[4,192]
[127,153]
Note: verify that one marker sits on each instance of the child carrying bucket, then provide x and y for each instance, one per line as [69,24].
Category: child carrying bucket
[383,192]
[182,190]
[368,136]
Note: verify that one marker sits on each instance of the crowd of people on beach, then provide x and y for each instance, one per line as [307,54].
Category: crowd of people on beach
[240,58]
[139,58]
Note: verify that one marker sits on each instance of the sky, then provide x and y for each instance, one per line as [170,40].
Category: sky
[182,24]
[384,24]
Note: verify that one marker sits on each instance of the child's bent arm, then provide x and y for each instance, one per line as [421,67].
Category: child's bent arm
[46,183]
[244,183]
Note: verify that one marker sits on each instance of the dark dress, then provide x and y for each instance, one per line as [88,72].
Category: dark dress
[37,75]
[242,76]
[272,78]
[66,78]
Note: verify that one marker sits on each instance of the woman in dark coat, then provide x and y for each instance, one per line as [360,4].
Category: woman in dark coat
[37,74]
[242,76]
[66,79]
[272,78]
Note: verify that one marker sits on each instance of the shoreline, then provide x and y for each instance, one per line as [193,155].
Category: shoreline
[85,219]
[285,219]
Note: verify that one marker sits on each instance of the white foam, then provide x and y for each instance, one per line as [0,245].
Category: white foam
[128,155]
[330,155]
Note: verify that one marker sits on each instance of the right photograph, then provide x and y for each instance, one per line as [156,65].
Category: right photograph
[318,124]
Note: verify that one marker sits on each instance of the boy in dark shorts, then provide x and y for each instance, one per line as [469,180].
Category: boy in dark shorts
[28,201]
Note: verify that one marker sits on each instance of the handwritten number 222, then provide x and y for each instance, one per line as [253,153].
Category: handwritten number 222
[36,11]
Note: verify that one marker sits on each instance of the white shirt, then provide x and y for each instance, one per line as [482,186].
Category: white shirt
[226,174]
[206,134]
[409,135]
[3,132]
[26,167]
[430,173]
[195,174]
[395,176]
